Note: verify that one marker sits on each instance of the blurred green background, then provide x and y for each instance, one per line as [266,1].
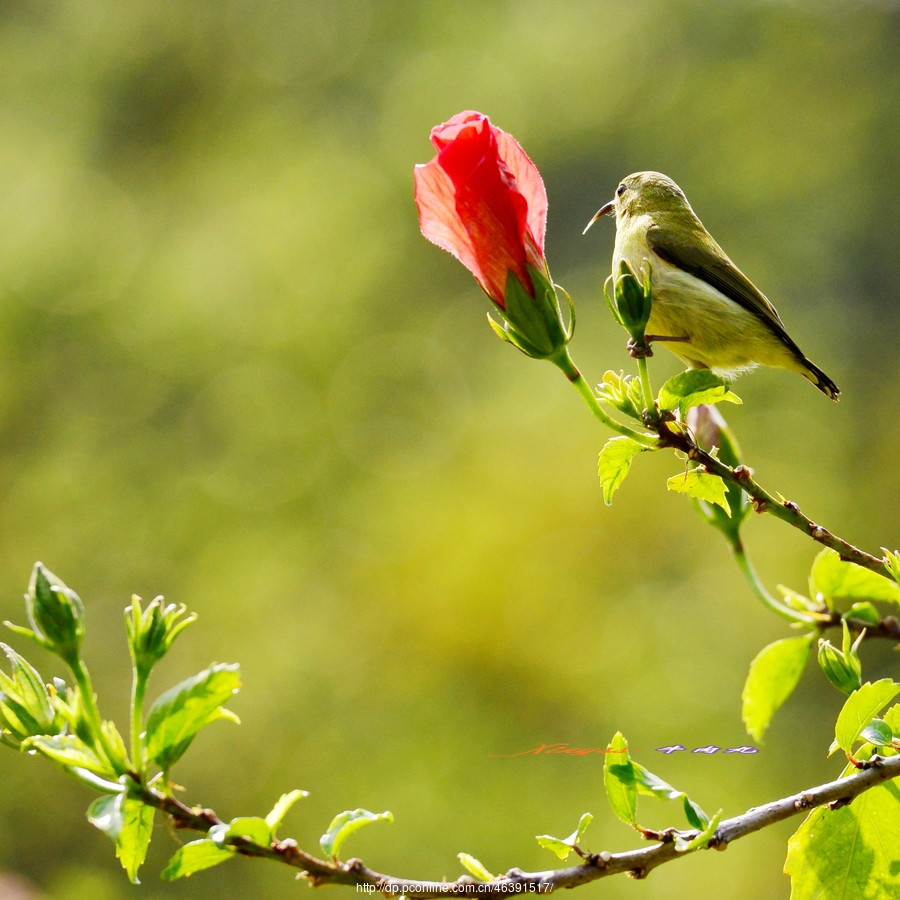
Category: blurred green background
[232,372]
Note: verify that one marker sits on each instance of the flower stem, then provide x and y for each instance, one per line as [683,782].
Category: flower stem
[138,691]
[86,689]
[792,615]
[644,372]
[564,362]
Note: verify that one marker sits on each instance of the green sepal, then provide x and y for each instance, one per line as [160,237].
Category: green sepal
[344,824]
[533,324]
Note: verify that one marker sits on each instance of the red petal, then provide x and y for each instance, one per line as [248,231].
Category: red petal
[529,183]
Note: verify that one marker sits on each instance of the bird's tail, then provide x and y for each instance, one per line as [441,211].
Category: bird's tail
[821,380]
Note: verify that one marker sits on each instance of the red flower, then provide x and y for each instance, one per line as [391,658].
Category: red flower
[482,199]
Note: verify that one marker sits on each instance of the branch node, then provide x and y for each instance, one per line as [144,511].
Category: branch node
[759,506]
[804,801]
[637,874]
[841,801]
[789,504]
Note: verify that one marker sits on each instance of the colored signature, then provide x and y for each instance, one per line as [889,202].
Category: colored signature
[568,750]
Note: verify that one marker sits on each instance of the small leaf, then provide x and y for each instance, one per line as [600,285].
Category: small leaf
[134,837]
[106,813]
[692,388]
[251,828]
[877,732]
[702,485]
[837,580]
[774,674]
[554,845]
[280,809]
[68,750]
[863,612]
[583,823]
[892,719]
[179,713]
[861,707]
[797,601]
[622,794]
[195,857]
[615,461]
[849,852]
[702,839]
[695,815]
[344,824]
[474,867]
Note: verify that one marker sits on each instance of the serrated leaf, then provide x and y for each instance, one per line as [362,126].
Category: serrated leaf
[195,857]
[837,580]
[622,795]
[344,824]
[474,867]
[702,839]
[877,732]
[615,461]
[849,852]
[693,387]
[773,675]
[179,713]
[280,809]
[702,485]
[892,719]
[861,707]
[134,837]
[69,750]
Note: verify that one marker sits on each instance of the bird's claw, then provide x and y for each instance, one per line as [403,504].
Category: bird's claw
[639,351]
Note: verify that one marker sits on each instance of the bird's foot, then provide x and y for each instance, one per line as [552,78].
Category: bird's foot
[639,351]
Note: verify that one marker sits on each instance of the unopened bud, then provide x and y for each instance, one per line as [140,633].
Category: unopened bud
[842,667]
[630,301]
[151,631]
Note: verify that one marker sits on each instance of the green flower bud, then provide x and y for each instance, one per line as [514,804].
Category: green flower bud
[842,667]
[56,615]
[152,631]
[892,561]
[623,392]
[630,301]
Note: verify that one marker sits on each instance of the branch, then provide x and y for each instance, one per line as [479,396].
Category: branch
[763,501]
[636,863]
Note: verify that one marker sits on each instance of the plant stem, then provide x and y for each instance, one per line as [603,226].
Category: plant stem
[564,362]
[138,691]
[86,689]
[767,600]
[644,372]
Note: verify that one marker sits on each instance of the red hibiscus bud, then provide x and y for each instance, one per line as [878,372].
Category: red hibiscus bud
[482,199]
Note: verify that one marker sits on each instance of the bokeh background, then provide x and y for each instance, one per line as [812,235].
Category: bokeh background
[233,373]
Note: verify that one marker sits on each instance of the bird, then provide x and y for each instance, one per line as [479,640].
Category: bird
[703,308]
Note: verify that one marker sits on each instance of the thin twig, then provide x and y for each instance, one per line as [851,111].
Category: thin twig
[638,863]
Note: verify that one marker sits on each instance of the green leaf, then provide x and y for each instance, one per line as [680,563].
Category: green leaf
[68,750]
[863,612]
[179,713]
[892,719]
[344,824]
[693,387]
[797,601]
[622,794]
[702,485]
[251,828]
[554,845]
[30,689]
[839,580]
[849,852]
[702,839]
[107,814]
[474,867]
[195,857]
[134,837]
[877,732]
[615,461]
[280,809]
[861,707]
[774,674]
[695,815]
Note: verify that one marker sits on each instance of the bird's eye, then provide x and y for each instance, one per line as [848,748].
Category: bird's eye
[620,190]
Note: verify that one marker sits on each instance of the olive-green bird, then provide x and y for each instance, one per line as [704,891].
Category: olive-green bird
[705,309]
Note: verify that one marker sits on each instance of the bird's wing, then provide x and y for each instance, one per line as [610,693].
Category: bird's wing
[716,270]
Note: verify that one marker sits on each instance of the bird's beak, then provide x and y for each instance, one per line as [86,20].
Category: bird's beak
[603,211]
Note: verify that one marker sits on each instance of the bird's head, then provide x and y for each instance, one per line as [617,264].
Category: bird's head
[642,193]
